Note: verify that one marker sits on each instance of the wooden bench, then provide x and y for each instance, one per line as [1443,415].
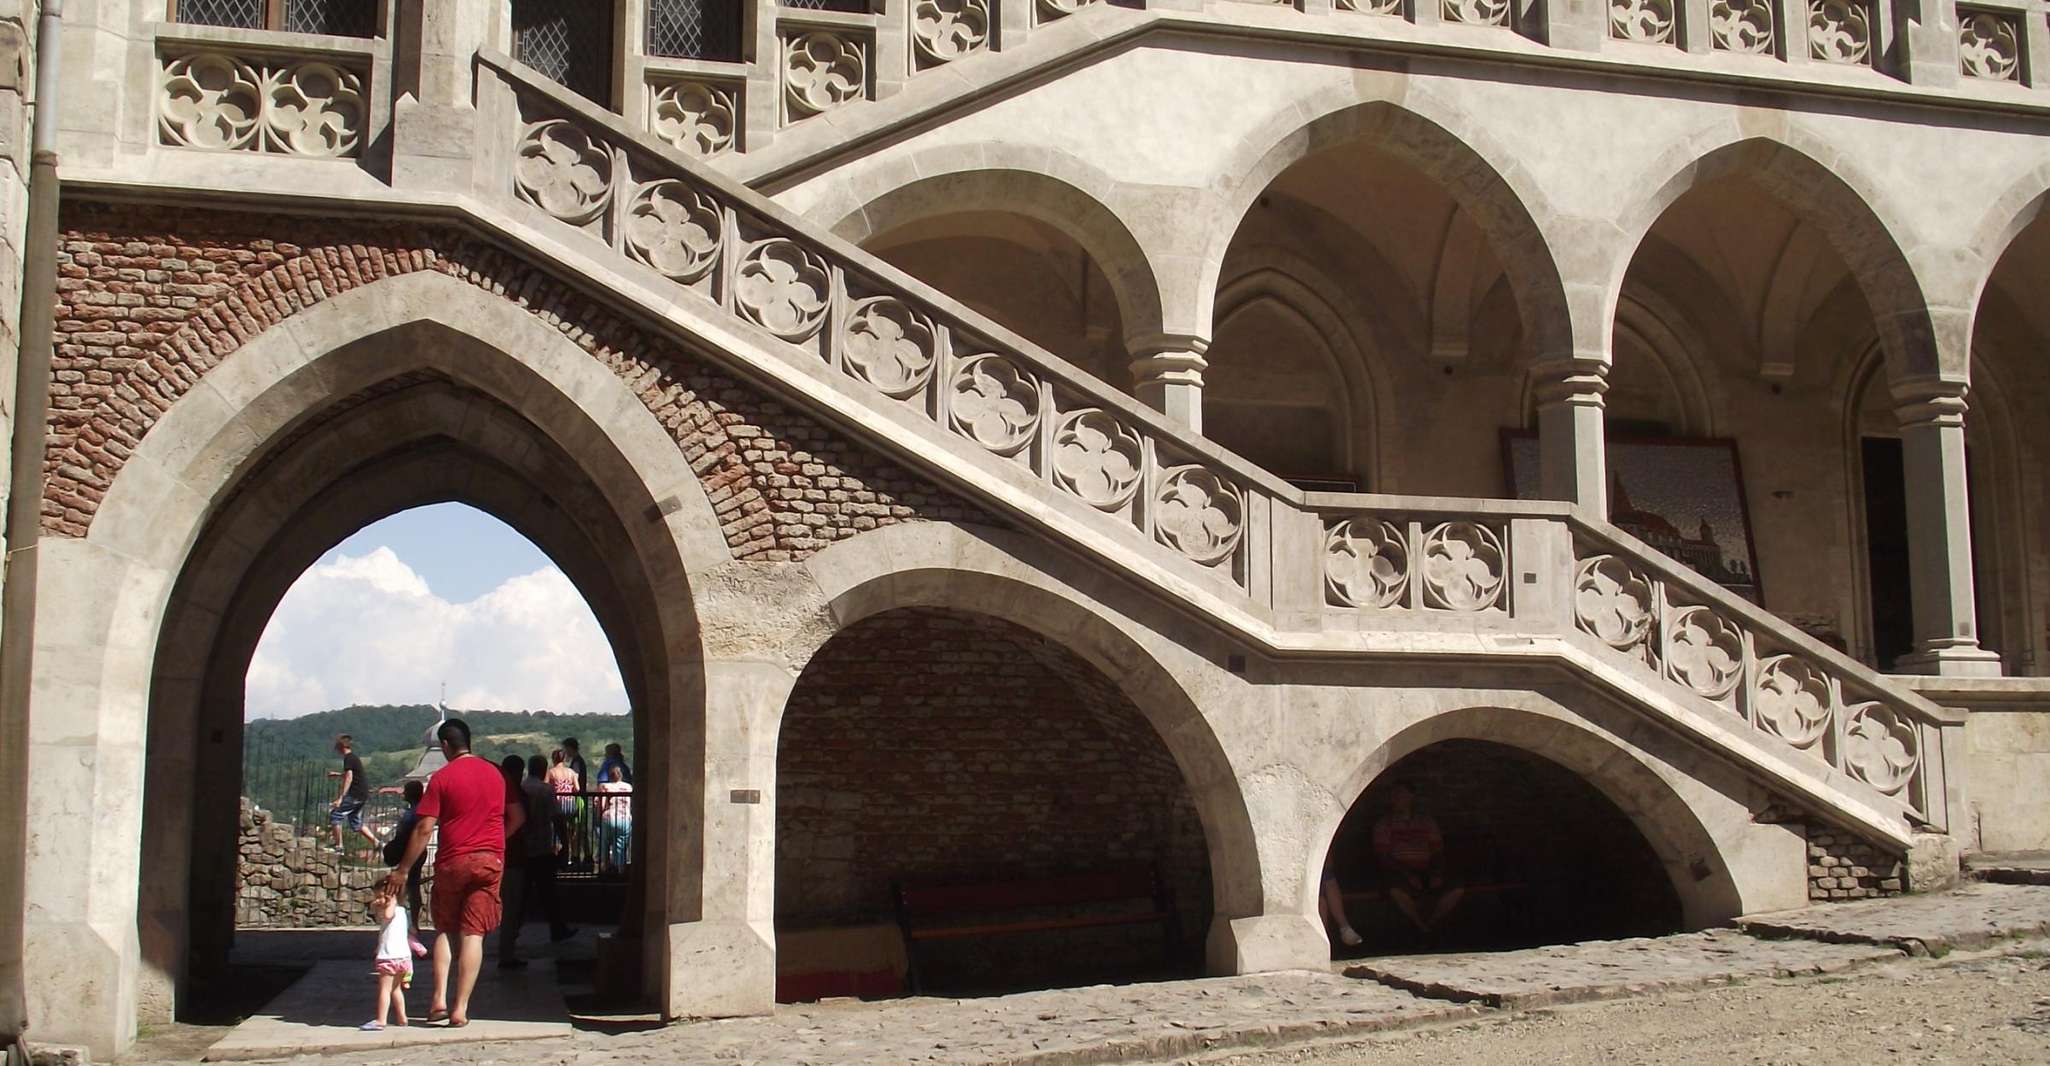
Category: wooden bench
[927,912]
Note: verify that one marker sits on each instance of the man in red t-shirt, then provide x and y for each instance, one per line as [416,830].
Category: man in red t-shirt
[467,801]
[1412,853]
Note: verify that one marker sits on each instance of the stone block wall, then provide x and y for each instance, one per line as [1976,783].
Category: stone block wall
[289,881]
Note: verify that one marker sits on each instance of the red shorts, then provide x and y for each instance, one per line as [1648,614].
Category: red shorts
[466,893]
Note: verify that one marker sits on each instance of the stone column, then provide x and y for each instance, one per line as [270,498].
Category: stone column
[1167,375]
[1932,420]
[1573,459]
[434,127]
[721,946]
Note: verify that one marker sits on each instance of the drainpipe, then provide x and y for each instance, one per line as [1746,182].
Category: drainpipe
[24,521]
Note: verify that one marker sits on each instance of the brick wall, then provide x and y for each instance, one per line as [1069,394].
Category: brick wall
[1560,861]
[1841,865]
[149,300]
[924,744]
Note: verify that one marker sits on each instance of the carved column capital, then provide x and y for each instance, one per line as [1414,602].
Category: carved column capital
[1167,374]
[1930,402]
[1570,381]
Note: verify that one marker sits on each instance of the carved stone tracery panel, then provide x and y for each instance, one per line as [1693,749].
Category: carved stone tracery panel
[1795,701]
[1989,44]
[305,107]
[1741,26]
[1098,458]
[946,30]
[1613,602]
[1199,514]
[994,403]
[1366,564]
[890,346]
[563,171]
[1643,21]
[1840,31]
[1476,12]
[1465,567]
[784,287]
[821,71]
[694,117]
[675,229]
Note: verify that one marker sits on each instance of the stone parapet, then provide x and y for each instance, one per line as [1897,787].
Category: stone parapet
[286,879]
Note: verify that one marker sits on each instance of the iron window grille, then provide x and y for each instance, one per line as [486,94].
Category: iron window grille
[569,42]
[854,7]
[338,18]
[694,29]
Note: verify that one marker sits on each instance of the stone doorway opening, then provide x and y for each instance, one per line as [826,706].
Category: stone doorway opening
[989,768]
[414,440]
[1532,854]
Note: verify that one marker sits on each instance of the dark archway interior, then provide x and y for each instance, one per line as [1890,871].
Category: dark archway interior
[925,747]
[1541,855]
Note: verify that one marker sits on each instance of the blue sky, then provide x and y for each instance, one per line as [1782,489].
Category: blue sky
[432,595]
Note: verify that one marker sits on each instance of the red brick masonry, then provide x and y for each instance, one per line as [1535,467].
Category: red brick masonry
[149,300]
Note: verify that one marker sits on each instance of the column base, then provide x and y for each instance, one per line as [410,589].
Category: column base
[718,970]
[81,988]
[1933,864]
[1962,660]
[1265,943]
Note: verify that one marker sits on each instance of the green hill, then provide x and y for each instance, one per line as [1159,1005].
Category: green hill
[285,760]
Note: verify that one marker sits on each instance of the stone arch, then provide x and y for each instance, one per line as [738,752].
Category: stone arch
[1663,331]
[1014,578]
[1848,207]
[187,466]
[1701,874]
[1047,186]
[2004,220]
[1359,401]
[1483,178]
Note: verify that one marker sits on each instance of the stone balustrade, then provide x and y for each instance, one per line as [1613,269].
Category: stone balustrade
[1095,458]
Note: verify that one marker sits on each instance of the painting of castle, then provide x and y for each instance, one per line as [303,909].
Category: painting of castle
[1683,497]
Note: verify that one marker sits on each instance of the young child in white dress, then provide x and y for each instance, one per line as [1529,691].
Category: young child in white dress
[394,959]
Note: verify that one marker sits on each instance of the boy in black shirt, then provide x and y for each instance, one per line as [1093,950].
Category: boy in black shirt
[354,794]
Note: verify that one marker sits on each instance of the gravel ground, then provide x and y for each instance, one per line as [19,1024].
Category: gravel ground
[1985,1007]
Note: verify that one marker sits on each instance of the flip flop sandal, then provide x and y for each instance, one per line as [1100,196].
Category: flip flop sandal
[437,1016]
[371,1027]
[454,1024]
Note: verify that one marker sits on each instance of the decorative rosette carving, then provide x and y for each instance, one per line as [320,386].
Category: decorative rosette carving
[1989,45]
[675,229]
[315,109]
[1373,7]
[946,30]
[1741,25]
[1704,652]
[821,71]
[1477,12]
[1199,514]
[563,171]
[694,117]
[1840,31]
[994,403]
[1881,747]
[1644,21]
[1613,602]
[784,287]
[1097,458]
[210,100]
[1794,701]
[890,346]
[1465,568]
[1366,564]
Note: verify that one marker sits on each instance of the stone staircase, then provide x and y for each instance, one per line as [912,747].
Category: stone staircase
[1288,573]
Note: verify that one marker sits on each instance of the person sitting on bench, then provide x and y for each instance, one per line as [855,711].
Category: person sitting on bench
[1412,852]
[1331,907]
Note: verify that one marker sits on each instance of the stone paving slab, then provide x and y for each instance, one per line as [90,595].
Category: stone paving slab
[1971,916]
[319,1014]
[2026,869]
[1064,1027]
[1610,969]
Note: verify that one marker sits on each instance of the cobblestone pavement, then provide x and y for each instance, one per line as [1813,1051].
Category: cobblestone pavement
[1608,969]
[1972,916]
[1158,1022]
[1991,1008]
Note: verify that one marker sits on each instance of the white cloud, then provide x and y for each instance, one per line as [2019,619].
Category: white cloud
[367,629]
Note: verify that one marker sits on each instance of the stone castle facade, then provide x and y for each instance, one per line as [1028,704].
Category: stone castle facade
[1009,437]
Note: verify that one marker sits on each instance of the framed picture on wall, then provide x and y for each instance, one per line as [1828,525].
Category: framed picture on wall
[1683,496]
